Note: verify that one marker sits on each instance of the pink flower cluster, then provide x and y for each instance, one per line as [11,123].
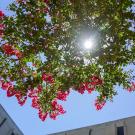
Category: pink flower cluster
[8,86]
[90,86]
[99,104]
[62,95]
[1,14]
[1,25]
[8,49]
[1,30]
[46,1]
[132,88]
[34,94]
[46,10]
[56,109]
[47,78]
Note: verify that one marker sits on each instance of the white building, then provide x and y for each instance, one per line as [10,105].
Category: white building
[7,125]
[124,126]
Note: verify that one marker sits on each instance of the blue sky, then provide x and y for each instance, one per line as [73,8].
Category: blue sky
[80,110]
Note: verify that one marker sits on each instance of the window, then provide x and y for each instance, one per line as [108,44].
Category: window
[120,130]
[3,121]
[12,133]
[90,131]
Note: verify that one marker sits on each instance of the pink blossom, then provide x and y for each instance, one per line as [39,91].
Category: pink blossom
[99,104]
[62,95]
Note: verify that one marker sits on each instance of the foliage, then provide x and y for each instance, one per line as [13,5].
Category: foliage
[43,57]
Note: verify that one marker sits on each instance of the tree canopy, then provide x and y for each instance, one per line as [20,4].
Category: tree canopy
[42,53]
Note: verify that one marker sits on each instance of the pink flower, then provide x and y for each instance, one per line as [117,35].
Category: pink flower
[11,92]
[42,115]
[35,103]
[32,93]
[132,88]
[34,65]
[62,95]
[46,1]
[60,109]
[1,14]
[6,85]
[1,33]
[89,87]
[53,115]
[39,88]
[8,49]
[47,78]
[96,80]
[1,26]
[56,110]
[17,53]
[54,104]
[46,10]
[21,99]
[82,88]
[99,104]
[1,30]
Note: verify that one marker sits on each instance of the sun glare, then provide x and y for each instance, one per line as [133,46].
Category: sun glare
[88,44]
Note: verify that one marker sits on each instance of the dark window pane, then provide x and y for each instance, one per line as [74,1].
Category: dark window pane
[120,130]
[90,131]
[4,120]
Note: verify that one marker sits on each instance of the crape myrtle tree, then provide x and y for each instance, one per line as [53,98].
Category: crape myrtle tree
[42,53]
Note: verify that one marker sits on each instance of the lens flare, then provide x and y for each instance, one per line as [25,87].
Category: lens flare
[88,44]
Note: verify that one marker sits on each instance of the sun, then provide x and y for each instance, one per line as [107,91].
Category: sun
[88,44]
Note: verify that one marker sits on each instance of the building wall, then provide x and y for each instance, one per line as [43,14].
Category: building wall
[108,128]
[7,125]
